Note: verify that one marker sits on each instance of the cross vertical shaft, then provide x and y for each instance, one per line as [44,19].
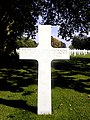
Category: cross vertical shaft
[44,72]
[44,33]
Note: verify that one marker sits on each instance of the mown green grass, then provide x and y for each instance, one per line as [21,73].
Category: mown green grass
[70,90]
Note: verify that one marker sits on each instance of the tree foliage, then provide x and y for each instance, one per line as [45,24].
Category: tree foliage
[23,42]
[20,16]
[71,47]
[16,17]
[71,15]
[81,42]
[56,43]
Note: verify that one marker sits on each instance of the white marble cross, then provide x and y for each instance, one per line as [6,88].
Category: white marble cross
[44,54]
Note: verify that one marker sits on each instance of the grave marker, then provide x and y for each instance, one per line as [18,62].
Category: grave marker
[44,54]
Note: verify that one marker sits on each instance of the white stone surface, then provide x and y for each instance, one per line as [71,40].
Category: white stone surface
[44,54]
[79,52]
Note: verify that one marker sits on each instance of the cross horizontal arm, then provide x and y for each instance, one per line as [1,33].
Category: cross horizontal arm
[50,53]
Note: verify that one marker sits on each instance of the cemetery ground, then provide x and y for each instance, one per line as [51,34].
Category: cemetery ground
[70,89]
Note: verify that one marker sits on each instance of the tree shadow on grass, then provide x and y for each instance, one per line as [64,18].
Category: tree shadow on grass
[18,104]
[72,74]
[15,75]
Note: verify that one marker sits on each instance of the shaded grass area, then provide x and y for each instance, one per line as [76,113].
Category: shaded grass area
[15,75]
[70,90]
[72,74]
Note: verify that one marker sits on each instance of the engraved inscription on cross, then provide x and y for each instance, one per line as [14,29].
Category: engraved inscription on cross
[44,54]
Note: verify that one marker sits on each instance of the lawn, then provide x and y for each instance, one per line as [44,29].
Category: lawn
[70,90]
